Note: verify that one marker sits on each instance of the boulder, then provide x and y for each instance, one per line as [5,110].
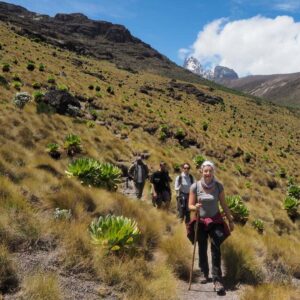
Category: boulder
[63,103]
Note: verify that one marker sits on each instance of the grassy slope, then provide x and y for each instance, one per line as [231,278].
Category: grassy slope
[265,131]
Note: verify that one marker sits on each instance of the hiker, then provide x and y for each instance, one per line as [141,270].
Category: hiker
[160,186]
[138,172]
[205,196]
[183,183]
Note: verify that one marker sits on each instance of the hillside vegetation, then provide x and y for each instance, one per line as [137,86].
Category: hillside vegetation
[255,146]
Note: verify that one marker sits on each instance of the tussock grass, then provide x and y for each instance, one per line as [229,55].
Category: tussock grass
[43,286]
[8,274]
[18,222]
[241,258]
[270,291]
[145,280]
[178,251]
[283,257]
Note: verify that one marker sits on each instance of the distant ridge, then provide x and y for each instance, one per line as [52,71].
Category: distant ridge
[100,39]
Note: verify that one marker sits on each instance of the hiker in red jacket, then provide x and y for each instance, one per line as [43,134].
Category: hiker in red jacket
[205,196]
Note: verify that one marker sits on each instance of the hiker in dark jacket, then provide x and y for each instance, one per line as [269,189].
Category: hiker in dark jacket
[205,196]
[183,183]
[160,184]
[138,172]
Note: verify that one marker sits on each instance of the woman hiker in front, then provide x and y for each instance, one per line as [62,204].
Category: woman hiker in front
[205,196]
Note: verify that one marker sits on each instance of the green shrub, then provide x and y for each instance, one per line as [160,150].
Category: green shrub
[282,172]
[90,124]
[176,167]
[30,66]
[52,147]
[115,233]
[258,225]
[95,173]
[291,204]
[3,81]
[164,132]
[17,85]
[179,134]
[72,144]
[62,87]
[51,79]
[238,209]
[6,67]
[98,88]
[91,87]
[16,77]
[247,157]
[199,160]
[38,96]
[205,126]
[43,108]
[36,85]
[21,99]
[110,90]
[294,191]
[41,67]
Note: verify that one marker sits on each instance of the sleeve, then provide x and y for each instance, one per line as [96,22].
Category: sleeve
[147,171]
[177,186]
[130,171]
[221,187]
[151,177]
[193,188]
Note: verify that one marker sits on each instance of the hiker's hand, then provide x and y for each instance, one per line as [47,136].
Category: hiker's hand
[198,205]
[231,225]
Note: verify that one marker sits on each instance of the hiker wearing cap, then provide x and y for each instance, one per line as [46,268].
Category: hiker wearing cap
[160,184]
[138,172]
[183,183]
[204,199]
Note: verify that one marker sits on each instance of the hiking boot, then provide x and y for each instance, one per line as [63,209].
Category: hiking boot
[205,279]
[219,288]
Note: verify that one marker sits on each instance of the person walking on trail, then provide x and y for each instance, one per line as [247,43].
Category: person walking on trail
[183,183]
[205,196]
[160,186]
[138,172]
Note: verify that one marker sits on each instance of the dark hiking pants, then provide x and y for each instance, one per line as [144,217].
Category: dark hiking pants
[139,187]
[183,207]
[214,233]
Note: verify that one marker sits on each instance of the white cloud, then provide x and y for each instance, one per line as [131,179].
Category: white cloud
[287,5]
[257,45]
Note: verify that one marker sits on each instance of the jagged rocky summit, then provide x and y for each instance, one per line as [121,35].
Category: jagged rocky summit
[220,73]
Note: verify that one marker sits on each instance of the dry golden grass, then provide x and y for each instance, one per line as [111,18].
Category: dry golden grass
[43,286]
[271,291]
[8,274]
[27,172]
[242,255]
[177,249]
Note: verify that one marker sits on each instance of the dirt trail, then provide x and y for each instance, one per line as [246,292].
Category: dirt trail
[203,291]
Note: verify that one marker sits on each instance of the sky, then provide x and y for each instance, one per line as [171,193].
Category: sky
[250,36]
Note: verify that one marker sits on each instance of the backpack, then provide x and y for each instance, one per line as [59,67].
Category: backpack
[180,179]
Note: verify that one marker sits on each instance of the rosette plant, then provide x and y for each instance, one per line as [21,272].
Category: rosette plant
[114,233]
[95,173]
[72,144]
[238,209]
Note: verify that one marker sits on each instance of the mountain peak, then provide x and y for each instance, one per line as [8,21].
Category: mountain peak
[219,74]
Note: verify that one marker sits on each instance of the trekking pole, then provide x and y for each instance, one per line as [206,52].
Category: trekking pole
[194,250]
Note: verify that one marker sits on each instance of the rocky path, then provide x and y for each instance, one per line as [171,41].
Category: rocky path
[203,291]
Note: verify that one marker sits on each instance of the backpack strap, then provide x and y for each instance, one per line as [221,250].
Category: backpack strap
[191,178]
[180,180]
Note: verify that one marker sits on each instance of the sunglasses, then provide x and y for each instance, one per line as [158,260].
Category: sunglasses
[186,168]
